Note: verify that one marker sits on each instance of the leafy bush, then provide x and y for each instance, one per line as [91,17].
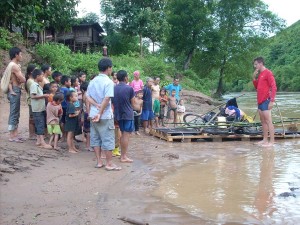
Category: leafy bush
[8,40]
[61,58]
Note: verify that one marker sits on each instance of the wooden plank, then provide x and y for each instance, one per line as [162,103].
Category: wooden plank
[162,134]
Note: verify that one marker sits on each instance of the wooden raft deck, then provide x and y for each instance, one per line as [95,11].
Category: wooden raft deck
[191,134]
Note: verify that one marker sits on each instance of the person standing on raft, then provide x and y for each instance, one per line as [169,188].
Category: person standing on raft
[264,83]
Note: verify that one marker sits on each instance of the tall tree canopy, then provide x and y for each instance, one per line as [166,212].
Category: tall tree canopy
[136,18]
[35,15]
[219,35]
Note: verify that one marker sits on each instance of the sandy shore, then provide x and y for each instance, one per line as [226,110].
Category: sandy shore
[49,187]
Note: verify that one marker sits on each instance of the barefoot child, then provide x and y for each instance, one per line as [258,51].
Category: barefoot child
[52,91]
[64,89]
[156,109]
[163,99]
[172,106]
[137,110]
[180,111]
[38,108]
[29,81]
[86,119]
[54,111]
[71,121]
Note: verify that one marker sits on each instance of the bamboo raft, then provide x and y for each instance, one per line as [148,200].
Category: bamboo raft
[194,134]
[196,128]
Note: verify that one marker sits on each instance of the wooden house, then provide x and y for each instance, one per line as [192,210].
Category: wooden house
[82,37]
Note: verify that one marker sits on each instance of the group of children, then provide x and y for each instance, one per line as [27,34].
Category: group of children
[163,106]
[60,108]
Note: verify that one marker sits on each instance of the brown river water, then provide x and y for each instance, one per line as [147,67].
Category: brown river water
[235,182]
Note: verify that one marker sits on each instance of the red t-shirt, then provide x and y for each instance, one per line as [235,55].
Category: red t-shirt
[265,86]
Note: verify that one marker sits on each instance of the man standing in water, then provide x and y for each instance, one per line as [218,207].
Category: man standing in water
[16,78]
[264,82]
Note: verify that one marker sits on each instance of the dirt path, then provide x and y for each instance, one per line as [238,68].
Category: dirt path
[49,187]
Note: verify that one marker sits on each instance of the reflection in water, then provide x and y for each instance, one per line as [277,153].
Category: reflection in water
[264,202]
[238,185]
[238,182]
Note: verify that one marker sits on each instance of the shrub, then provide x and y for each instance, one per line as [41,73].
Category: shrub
[8,40]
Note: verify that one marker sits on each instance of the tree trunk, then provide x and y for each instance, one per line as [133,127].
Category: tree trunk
[188,60]
[153,46]
[141,47]
[219,91]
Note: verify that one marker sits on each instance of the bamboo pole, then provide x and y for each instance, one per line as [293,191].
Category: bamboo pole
[280,118]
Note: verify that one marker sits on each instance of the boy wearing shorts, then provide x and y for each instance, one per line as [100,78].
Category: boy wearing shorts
[38,108]
[54,111]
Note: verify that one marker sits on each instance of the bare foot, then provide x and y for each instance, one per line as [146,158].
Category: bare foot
[72,151]
[126,160]
[268,144]
[113,167]
[57,148]
[137,133]
[38,144]
[261,142]
[46,146]
[76,149]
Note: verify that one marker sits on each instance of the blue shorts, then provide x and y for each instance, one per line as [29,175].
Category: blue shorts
[147,115]
[103,134]
[126,125]
[39,122]
[264,106]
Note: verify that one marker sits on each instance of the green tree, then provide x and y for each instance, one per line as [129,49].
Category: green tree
[36,15]
[90,18]
[135,18]
[190,22]
[240,28]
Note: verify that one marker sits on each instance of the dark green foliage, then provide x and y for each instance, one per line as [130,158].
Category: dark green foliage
[282,57]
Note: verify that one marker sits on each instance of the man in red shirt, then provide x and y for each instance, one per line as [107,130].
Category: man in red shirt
[264,82]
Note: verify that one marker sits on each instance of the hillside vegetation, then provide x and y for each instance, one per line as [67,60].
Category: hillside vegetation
[283,57]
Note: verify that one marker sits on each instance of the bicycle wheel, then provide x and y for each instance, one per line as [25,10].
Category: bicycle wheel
[192,119]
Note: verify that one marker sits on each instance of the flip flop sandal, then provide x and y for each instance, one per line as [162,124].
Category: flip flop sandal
[97,166]
[15,140]
[115,168]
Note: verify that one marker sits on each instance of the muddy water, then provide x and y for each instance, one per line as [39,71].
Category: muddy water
[237,182]
[288,103]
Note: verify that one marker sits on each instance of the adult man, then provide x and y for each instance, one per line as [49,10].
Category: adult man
[16,78]
[123,111]
[175,86]
[264,82]
[99,94]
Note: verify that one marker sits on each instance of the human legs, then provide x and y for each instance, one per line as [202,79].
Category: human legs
[136,124]
[14,113]
[103,139]
[97,150]
[269,127]
[31,124]
[124,147]
[39,122]
[70,142]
